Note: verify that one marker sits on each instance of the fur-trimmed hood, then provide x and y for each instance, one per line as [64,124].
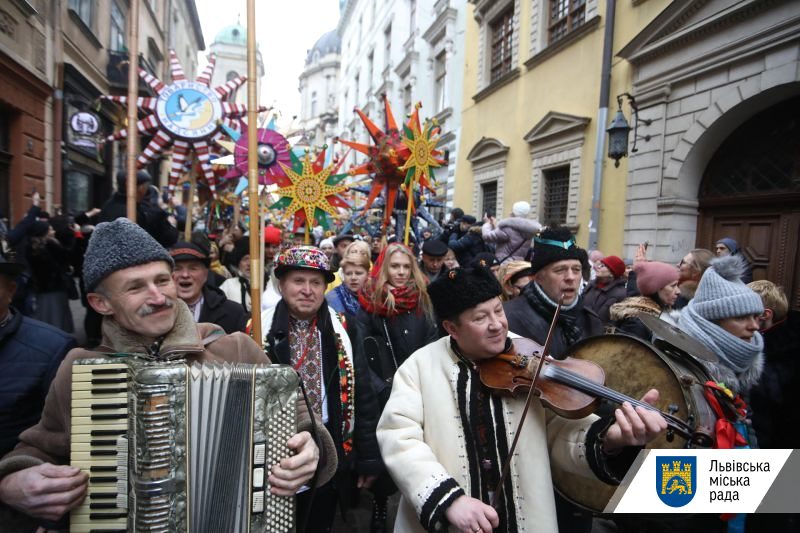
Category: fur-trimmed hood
[522,225]
[633,307]
[739,383]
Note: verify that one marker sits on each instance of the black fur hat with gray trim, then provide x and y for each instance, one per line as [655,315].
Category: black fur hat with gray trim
[460,289]
[117,245]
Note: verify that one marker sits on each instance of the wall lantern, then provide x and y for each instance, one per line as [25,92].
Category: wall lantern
[619,129]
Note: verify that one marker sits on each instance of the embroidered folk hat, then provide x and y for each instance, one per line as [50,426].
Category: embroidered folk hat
[303,258]
[461,289]
[118,245]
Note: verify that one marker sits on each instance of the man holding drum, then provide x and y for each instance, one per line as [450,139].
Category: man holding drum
[444,437]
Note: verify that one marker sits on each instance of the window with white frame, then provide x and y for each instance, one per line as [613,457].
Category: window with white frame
[313,104]
[387,46]
[440,81]
[498,39]
[555,21]
[565,16]
[84,10]
[407,98]
[117,28]
[370,66]
[502,35]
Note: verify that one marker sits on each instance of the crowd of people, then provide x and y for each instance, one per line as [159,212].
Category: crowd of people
[386,339]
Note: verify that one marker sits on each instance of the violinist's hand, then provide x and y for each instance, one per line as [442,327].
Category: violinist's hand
[472,516]
[634,426]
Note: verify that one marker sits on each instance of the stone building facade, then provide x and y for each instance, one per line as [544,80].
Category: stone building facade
[719,81]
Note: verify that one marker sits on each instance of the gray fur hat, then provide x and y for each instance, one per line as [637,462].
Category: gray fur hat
[721,293]
[117,245]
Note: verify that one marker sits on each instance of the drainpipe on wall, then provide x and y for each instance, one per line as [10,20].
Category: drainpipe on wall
[602,119]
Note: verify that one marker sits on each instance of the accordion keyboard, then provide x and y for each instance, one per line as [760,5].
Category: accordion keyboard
[99,445]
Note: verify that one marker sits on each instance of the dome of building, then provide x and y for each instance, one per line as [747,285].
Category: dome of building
[233,34]
[329,43]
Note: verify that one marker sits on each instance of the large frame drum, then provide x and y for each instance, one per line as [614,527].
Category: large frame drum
[633,367]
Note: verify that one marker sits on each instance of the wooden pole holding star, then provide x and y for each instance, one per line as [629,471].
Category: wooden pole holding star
[133,117]
[256,278]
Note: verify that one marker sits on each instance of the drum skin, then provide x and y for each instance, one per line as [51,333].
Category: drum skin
[633,367]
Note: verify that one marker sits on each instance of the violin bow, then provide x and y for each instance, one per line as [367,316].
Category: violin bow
[507,463]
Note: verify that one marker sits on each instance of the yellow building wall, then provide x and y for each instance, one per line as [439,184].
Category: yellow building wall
[567,82]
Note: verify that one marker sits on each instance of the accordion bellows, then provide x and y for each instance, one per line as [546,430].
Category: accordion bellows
[175,447]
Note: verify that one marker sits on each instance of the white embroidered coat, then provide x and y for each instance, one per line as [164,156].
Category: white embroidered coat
[423,444]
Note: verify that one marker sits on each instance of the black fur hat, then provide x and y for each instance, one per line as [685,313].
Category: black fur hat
[555,244]
[460,289]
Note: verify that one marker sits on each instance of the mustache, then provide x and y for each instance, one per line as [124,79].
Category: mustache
[147,310]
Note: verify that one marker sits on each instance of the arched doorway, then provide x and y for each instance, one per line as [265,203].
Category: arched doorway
[750,191]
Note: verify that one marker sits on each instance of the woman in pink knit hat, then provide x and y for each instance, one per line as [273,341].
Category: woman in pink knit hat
[658,285]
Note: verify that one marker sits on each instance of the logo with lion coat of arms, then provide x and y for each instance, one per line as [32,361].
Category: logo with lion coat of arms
[676,480]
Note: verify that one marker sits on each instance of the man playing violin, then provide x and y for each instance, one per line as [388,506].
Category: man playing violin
[444,436]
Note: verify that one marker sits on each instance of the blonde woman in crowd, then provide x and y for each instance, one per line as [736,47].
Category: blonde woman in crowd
[396,321]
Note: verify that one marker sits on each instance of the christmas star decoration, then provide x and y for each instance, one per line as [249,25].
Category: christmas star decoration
[273,149]
[396,159]
[314,191]
[422,157]
[185,115]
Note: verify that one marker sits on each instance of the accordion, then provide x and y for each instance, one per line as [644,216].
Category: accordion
[171,446]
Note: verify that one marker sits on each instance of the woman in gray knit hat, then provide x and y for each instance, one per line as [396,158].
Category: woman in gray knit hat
[723,315]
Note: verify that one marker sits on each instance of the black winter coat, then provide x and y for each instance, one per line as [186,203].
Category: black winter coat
[468,246]
[600,299]
[407,333]
[217,309]
[525,321]
[152,219]
[30,353]
[775,416]
[50,267]
[366,454]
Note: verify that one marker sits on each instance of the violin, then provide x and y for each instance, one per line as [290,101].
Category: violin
[572,388]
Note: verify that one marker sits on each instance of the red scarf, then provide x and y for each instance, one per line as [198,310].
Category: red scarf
[406,298]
